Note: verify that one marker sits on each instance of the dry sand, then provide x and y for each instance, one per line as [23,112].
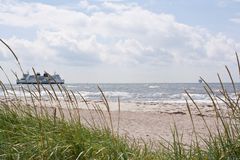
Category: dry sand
[150,121]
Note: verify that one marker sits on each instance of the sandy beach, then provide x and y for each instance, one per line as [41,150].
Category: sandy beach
[148,121]
[158,122]
[156,125]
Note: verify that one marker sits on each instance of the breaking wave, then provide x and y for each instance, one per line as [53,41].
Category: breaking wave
[152,87]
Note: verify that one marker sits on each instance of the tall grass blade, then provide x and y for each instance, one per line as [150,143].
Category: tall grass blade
[107,106]
[12,53]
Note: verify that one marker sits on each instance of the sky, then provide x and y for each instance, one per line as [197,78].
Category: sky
[121,41]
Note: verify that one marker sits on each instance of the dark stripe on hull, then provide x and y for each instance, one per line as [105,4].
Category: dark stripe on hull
[40,83]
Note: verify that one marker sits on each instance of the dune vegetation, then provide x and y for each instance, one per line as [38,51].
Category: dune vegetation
[30,128]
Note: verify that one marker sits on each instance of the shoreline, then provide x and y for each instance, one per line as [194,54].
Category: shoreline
[206,108]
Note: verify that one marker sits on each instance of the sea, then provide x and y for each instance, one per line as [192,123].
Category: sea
[139,92]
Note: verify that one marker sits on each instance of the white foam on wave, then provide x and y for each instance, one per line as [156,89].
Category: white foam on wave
[108,94]
[20,93]
[89,94]
[117,94]
[72,86]
[200,96]
[157,94]
[176,96]
[152,87]
[58,93]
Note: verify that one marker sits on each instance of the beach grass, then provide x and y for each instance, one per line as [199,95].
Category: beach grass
[26,135]
[29,137]
[30,128]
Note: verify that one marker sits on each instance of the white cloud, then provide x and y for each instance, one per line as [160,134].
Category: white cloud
[221,48]
[85,4]
[32,51]
[118,7]
[125,35]
[236,19]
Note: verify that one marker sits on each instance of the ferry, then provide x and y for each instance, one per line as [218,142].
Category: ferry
[40,79]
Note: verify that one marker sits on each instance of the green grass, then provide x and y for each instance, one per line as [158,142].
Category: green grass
[28,137]
[29,131]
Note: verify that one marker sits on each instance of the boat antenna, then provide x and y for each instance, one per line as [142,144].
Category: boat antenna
[12,53]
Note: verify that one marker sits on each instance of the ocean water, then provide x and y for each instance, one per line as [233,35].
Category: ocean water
[139,92]
[151,92]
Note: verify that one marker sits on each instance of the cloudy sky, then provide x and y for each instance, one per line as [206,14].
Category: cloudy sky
[122,41]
